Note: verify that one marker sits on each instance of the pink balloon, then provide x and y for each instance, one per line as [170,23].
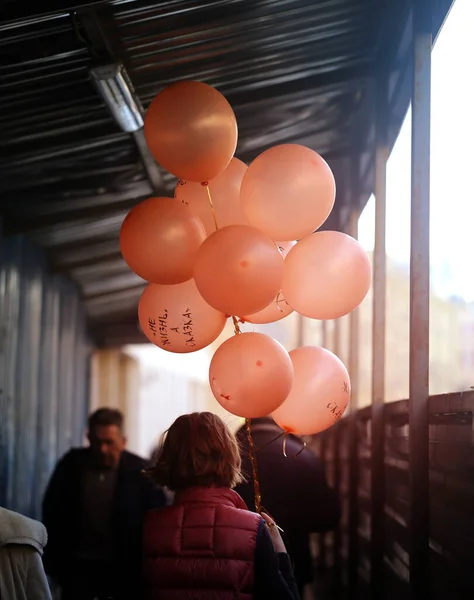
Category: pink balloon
[285,247]
[238,270]
[279,307]
[177,319]
[225,196]
[159,240]
[276,311]
[288,192]
[251,375]
[320,393]
[326,275]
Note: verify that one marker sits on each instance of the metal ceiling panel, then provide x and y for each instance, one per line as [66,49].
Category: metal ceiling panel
[293,70]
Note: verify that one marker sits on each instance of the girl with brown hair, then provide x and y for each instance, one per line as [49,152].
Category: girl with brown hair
[208,546]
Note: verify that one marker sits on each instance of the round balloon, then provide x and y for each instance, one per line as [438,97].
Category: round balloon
[326,275]
[251,375]
[159,240]
[238,270]
[191,130]
[279,308]
[276,311]
[288,192]
[320,393]
[177,319]
[225,196]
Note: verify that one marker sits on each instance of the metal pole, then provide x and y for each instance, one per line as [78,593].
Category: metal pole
[336,437]
[420,302]
[152,170]
[300,331]
[352,418]
[3,399]
[377,541]
[322,563]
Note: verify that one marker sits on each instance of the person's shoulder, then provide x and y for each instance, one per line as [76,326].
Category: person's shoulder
[18,529]
[132,461]
[239,518]
[164,516]
[75,455]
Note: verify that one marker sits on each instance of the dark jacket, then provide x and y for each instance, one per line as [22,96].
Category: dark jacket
[62,515]
[294,490]
[207,546]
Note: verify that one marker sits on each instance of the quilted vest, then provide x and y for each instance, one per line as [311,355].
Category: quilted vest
[201,548]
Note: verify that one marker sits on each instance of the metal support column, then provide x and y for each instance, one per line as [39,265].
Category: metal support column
[322,542]
[377,541]
[352,418]
[3,397]
[336,440]
[300,330]
[420,302]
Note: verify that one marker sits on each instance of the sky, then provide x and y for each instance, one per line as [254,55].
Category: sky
[452,166]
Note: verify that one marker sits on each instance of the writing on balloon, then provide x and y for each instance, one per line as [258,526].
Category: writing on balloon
[160,329]
[345,387]
[182,183]
[335,409]
[163,329]
[188,328]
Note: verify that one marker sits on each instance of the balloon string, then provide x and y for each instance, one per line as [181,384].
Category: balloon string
[275,439]
[236,322]
[253,462]
[293,455]
[211,204]
[278,300]
[256,485]
[214,216]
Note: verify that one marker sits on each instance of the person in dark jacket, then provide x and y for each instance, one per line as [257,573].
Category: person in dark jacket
[293,490]
[93,509]
[208,545]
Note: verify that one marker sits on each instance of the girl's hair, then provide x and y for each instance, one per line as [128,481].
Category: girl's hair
[197,450]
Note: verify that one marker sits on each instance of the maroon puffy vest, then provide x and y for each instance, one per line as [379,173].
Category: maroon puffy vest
[201,548]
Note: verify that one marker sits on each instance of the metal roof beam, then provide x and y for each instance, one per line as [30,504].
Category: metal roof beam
[19,14]
[82,212]
[102,33]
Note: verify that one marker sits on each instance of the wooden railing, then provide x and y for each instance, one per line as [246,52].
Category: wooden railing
[347,552]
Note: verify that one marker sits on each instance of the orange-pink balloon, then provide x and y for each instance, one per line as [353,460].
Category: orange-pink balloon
[238,270]
[177,319]
[288,192]
[279,308]
[159,240]
[251,375]
[225,196]
[326,275]
[320,393]
[276,311]
[191,130]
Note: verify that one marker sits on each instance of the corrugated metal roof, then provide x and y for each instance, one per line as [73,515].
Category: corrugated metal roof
[293,70]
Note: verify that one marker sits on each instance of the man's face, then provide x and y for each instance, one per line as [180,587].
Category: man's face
[107,443]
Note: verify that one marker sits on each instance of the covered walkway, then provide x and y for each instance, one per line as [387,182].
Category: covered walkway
[335,75]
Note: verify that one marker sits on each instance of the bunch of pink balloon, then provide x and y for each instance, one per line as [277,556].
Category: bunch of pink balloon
[243,242]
